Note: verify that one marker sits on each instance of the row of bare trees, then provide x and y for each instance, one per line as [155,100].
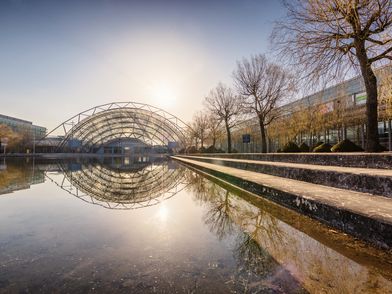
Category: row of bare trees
[324,41]
[327,39]
[260,86]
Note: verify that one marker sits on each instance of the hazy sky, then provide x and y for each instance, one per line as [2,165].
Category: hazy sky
[58,58]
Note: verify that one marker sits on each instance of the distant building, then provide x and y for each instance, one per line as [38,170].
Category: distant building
[23,126]
[347,100]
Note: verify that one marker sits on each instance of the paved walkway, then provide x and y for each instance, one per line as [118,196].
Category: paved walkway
[329,168]
[376,207]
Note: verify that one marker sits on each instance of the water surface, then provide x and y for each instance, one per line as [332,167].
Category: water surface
[146,225]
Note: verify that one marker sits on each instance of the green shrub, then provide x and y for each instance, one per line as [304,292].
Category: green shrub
[325,147]
[291,147]
[279,150]
[304,147]
[233,150]
[346,146]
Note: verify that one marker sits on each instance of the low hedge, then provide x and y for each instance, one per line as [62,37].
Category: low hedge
[212,149]
[325,147]
[191,149]
[304,147]
[346,146]
[316,145]
[291,147]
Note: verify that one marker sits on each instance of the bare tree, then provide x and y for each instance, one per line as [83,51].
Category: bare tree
[200,126]
[326,39]
[385,92]
[214,128]
[191,137]
[263,85]
[199,129]
[226,107]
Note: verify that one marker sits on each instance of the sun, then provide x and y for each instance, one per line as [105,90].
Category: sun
[163,94]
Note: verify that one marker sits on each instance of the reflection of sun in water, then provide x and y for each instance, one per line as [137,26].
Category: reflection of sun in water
[163,94]
[163,213]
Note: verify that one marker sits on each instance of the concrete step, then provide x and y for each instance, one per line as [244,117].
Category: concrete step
[374,181]
[359,214]
[360,159]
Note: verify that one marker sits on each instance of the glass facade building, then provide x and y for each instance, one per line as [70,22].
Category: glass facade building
[343,104]
[23,126]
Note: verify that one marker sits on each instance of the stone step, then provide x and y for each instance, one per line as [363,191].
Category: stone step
[367,180]
[360,214]
[360,159]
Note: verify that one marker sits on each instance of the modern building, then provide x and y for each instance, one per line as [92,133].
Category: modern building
[23,126]
[344,105]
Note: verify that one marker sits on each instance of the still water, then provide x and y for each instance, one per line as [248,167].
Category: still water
[151,225]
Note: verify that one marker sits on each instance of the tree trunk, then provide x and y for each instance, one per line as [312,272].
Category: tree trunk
[372,142]
[263,136]
[228,137]
[213,142]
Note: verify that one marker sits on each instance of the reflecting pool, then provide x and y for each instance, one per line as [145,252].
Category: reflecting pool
[152,225]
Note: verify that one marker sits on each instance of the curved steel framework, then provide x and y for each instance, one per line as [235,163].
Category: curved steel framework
[147,185]
[118,120]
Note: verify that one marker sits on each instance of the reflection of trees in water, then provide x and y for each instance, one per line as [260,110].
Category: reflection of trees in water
[225,210]
[261,225]
[218,216]
[263,242]
[252,257]
[198,186]
[218,203]
[19,174]
[14,175]
[227,215]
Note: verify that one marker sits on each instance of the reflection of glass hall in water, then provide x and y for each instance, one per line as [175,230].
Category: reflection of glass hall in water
[211,237]
[124,182]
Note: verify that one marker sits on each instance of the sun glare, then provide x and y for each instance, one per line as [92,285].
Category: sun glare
[163,94]
[163,213]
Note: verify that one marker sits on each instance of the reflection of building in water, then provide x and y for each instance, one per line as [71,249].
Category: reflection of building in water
[123,183]
[315,256]
[19,176]
[132,162]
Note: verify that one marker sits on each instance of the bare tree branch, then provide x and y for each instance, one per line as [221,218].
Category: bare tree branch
[326,39]
[226,107]
[263,86]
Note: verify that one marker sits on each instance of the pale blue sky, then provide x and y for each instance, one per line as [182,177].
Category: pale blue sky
[58,58]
